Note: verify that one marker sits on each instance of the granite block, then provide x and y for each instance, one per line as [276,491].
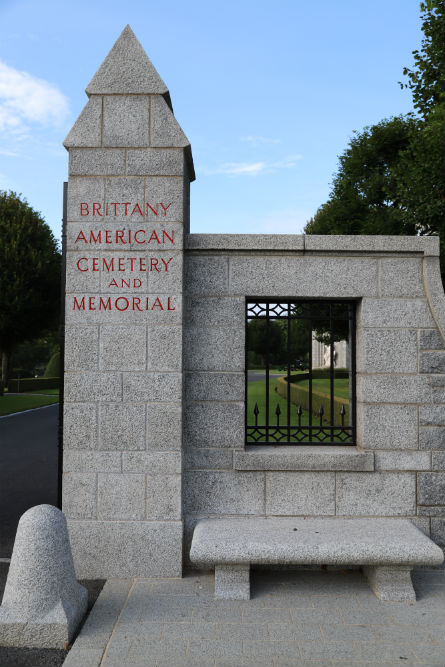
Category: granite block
[402,460]
[87,461]
[387,426]
[438,461]
[214,386]
[439,395]
[84,190]
[289,493]
[79,494]
[81,347]
[432,415]
[432,437]
[122,426]
[214,311]
[121,496]
[432,362]
[79,426]
[123,347]
[207,276]
[391,583]
[379,494]
[294,242]
[304,276]
[395,313]
[163,497]
[208,459]
[214,348]
[430,339]
[425,511]
[214,424]
[170,192]
[127,189]
[367,243]
[96,162]
[123,274]
[232,582]
[169,279]
[126,69]
[78,276]
[155,162]
[164,128]
[91,386]
[401,277]
[387,351]
[87,130]
[152,386]
[318,457]
[393,389]
[126,236]
[126,119]
[438,531]
[155,463]
[126,549]
[431,488]
[223,492]
[164,426]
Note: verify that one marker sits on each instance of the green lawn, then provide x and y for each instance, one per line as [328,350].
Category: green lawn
[18,402]
[256,393]
[341,386]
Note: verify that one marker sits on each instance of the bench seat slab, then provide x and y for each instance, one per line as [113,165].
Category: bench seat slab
[232,582]
[391,584]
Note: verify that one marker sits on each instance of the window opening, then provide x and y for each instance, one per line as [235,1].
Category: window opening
[300,372]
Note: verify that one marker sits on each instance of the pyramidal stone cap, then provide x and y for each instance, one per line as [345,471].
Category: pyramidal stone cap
[126,69]
[43,603]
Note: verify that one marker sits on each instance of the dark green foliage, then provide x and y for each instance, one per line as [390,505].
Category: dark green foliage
[33,384]
[30,265]
[53,368]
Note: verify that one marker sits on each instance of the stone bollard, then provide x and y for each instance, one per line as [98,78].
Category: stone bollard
[42,604]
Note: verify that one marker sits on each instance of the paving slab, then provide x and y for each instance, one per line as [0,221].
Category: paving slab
[295,617]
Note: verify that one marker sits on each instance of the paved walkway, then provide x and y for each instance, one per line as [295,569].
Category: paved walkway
[294,618]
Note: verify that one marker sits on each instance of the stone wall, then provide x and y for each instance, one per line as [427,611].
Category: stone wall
[397,468]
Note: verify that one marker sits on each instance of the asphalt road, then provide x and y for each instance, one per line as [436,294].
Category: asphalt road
[28,467]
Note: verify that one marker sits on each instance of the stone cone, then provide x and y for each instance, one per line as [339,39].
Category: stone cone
[43,603]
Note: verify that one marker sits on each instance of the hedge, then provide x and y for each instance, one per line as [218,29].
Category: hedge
[300,396]
[32,384]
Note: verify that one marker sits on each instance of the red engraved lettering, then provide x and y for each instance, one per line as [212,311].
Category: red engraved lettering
[136,302]
[137,208]
[126,283]
[77,305]
[137,282]
[81,237]
[82,259]
[154,265]
[169,307]
[153,237]
[121,264]
[166,263]
[108,267]
[139,231]
[157,304]
[126,303]
[113,283]
[166,234]
[104,305]
[95,263]
[115,204]
[97,209]
[92,303]
[120,236]
[84,209]
[142,264]
[132,261]
[152,209]
[96,239]
[126,204]
[108,238]
[166,208]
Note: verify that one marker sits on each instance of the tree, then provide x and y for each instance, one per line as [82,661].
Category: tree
[427,80]
[30,265]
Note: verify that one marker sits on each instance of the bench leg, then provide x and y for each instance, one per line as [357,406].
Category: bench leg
[232,582]
[391,583]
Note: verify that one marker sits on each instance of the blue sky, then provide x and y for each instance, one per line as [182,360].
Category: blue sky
[267,93]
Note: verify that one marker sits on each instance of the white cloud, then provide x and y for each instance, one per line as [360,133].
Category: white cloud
[254,168]
[4,151]
[25,99]
[284,221]
[255,141]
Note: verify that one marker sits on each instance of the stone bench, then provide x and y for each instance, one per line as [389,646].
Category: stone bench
[386,550]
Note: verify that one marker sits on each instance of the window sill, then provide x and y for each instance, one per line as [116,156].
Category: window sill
[307,457]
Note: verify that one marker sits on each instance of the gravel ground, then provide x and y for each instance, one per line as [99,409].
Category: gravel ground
[41,657]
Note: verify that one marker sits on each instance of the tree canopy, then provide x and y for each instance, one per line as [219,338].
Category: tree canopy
[391,177]
[30,266]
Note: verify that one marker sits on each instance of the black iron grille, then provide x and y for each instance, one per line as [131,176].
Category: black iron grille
[300,372]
